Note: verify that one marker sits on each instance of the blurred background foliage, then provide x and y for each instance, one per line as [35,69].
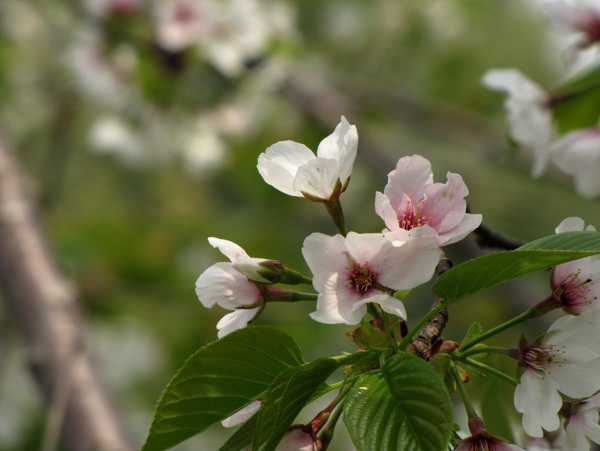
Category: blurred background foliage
[141,145]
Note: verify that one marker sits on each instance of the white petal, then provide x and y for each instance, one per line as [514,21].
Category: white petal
[469,223]
[393,306]
[385,211]
[324,255]
[407,266]
[341,146]
[279,164]
[318,177]
[228,248]
[222,284]
[572,224]
[234,321]
[577,380]
[337,304]
[539,402]
[242,415]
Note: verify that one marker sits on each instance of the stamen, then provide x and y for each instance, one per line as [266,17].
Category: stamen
[413,216]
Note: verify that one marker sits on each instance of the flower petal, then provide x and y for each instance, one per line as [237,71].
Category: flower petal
[337,303]
[279,164]
[539,402]
[411,177]
[236,320]
[318,177]
[341,146]
[222,284]
[242,415]
[409,265]
[324,255]
[228,248]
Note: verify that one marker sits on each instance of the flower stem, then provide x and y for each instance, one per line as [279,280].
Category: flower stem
[327,432]
[334,208]
[484,349]
[463,392]
[493,371]
[533,312]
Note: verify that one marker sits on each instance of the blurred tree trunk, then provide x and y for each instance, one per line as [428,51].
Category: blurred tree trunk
[43,307]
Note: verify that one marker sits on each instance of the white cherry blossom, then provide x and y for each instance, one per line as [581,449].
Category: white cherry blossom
[578,17]
[297,438]
[293,168]
[412,206]
[583,425]
[529,114]
[575,284]
[224,285]
[566,360]
[350,272]
[577,153]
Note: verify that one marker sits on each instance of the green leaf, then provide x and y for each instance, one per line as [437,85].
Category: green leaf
[474,331]
[490,270]
[286,397]
[242,437]
[218,380]
[403,407]
[441,364]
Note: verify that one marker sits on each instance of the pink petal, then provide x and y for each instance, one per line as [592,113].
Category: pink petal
[279,164]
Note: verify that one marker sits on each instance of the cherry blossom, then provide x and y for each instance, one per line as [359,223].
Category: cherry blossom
[293,168]
[412,206]
[581,17]
[224,285]
[486,442]
[583,424]
[577,153]
[298,438]
[565,360]
[529,114]
[229,33]
[575,284]
[242,415]
[361,268]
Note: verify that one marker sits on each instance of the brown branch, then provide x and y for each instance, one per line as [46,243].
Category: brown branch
[432,332]
[43,306]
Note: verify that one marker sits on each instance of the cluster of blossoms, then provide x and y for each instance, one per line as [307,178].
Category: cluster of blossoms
[350,270]
[355,273]
[530,108]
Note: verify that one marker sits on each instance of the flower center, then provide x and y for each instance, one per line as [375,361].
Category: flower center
[361,278]
[575,291]
[544,357]
[413,216]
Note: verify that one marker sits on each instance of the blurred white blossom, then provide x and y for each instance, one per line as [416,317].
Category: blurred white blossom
[528,111]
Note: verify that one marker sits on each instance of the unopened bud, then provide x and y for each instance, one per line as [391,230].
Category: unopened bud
[260,270]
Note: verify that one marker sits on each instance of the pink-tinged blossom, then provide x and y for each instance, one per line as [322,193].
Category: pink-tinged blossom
[529,114]
[179,23]
[582,425]
[293,168]
[361,268]
[298,438]
[575,284]
[242,415]
[486,442]
[580,17]
[412,206]
[566,360]
[222,284]
[578,154]
[481,440]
